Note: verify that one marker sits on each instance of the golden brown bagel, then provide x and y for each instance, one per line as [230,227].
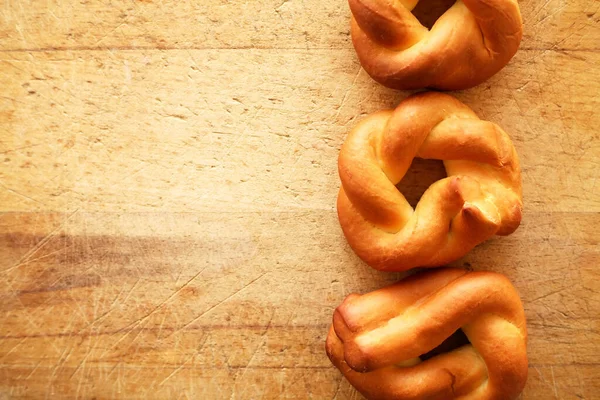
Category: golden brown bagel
[376,339]
[472,41]
[480,197]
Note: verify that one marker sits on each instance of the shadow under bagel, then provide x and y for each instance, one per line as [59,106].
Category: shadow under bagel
[428,11]
[419,177]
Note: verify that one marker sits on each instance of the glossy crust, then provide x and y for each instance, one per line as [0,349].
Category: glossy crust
[472,41]
[480,197]
[376,339]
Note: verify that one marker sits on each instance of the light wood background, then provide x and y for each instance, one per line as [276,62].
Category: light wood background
[168,183]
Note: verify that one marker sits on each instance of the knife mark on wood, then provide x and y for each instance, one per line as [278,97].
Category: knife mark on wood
[42,242]
[216,305]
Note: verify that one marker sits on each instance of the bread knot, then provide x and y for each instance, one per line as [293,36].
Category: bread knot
[480,197]
[378,340]
[468,44]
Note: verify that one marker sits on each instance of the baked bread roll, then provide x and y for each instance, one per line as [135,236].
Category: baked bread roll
[480,197]
[472,41]
[377,340]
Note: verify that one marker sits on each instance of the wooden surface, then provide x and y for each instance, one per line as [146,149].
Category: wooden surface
[168,181]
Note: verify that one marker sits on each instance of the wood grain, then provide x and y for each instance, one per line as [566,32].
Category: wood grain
[167,191]
[235,24]
[176,128]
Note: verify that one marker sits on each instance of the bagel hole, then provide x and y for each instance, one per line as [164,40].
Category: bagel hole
[456,340]
[428,11]
[421,174]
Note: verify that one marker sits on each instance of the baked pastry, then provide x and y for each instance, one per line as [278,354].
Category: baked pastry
[468,44]
[480,197]
[378,340]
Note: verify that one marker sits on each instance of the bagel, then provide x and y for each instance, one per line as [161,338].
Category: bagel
[378,340]
[469,43]
[481,196]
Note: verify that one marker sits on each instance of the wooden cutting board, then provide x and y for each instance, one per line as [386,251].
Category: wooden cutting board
[168,183]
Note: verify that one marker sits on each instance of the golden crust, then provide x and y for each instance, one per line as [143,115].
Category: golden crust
[480,197]
[472,41]
[376,339]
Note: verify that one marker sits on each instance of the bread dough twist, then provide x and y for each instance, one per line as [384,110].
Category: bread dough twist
[468,44]
[376,339]
[480,197]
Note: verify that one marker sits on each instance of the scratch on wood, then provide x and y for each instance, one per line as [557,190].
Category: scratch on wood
[41,243]
[81,364]
[337,389]
[548,294]
[140,320]
[184,363]
[13,348]
[62,359]
[337,115]
[33,370]
[216,305]
[554,383]
[131,290]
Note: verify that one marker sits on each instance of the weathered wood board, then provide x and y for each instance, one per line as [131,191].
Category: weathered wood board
[168,183]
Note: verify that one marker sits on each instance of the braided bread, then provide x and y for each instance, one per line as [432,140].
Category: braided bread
[480,197]
[377,340]
[472,41]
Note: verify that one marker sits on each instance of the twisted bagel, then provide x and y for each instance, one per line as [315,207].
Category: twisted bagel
[472,41]
[480,197]
[376,339]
